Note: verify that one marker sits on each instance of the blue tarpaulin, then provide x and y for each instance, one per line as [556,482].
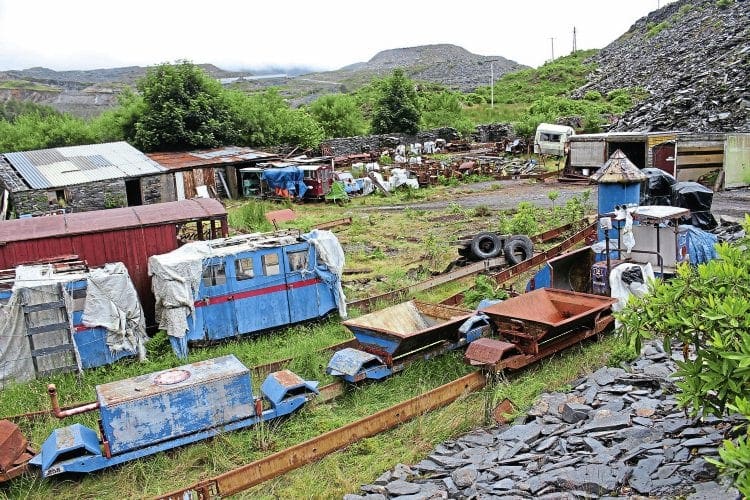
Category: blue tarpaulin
[701,245]
[287,181]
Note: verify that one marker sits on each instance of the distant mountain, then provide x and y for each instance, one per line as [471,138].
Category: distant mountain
[89,92]
[445,64]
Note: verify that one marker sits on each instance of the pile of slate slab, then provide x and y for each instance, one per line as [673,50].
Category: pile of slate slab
[618,433]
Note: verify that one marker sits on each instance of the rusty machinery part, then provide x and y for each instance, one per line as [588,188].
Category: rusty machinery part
[254,473]
[15,451]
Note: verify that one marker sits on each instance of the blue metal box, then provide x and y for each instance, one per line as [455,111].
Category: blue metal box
[165,405]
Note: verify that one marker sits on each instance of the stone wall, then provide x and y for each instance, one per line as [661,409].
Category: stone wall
[368,143]
[80,198]
[158,189]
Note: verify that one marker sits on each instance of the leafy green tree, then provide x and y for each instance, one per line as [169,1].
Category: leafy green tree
[13,108]
[183,108]
[339,115]
[444,109]
[396,109]
[265,119]
[119,124]
[35,131]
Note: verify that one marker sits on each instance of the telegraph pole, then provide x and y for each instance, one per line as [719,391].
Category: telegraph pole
[553,48]
[574,40]
[492,85]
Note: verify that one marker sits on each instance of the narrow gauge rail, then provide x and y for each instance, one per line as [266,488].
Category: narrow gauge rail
[556,330]
[367,303]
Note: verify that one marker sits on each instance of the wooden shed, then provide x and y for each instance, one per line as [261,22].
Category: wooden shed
[129,235]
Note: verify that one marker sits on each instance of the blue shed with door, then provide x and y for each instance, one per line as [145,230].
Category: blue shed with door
[217,289]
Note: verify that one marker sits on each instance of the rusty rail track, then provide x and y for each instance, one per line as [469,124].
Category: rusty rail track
[369,302]
[256,472]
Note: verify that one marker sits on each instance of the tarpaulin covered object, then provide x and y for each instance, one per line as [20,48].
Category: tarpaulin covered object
[286,181]
[331,254]
[697,198]
[110,303]
[701,244]
[657,189]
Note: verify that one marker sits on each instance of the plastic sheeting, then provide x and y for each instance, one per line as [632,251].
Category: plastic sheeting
[287,181]
[657,189]
[701,244]
[112,303]
[331,254]
[623,289]
[697,198]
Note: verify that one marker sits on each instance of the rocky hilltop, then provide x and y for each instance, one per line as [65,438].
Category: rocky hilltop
[693,57]
[446,64]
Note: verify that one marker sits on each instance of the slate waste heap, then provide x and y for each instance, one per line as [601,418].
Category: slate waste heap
[618,433]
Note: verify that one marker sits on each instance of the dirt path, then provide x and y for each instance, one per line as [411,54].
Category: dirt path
[735,203]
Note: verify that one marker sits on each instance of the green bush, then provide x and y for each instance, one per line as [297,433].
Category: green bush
[723,4]
[707,309]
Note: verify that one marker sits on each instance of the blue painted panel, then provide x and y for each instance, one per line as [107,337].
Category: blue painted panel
[269,307]
[218,318]
[74,439]
[303,297]
[278,384]
[542,279]
[91,344]
[368,337]
[146,409]
[611,195]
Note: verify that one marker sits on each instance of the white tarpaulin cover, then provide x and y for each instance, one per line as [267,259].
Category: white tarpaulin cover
[176,276]
[112,303]
[110,295]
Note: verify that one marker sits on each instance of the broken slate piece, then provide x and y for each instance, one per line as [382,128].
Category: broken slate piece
[575,412]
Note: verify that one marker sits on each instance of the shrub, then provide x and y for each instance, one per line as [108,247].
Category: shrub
[707,309]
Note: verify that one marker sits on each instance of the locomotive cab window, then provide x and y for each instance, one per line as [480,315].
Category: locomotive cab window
[271,264]
[297,260]
[214,275]
[243,269]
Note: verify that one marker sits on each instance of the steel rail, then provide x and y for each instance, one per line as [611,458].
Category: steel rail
[256,472]
[367,303]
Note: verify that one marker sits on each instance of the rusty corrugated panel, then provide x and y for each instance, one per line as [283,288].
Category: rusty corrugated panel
[737,160]
[50,168]
[209,157]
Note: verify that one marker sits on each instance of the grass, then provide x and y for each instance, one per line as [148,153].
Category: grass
[26,85]
[400,247]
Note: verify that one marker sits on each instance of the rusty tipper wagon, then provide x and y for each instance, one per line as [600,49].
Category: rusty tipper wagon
[538,323]
[392,337]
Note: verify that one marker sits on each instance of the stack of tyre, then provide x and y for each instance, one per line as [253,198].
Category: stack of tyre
[486,245]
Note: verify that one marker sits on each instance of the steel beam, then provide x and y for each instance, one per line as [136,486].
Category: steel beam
[254,473]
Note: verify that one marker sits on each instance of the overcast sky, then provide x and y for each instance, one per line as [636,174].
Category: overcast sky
[323,34]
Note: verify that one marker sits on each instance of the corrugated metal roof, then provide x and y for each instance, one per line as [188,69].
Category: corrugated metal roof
[107,220]
[57,167]
[208,158]
[618,169]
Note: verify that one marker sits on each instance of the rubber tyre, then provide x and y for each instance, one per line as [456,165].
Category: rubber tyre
[518,249]
[486,245]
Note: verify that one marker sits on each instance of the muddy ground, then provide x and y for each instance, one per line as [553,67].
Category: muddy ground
[734,203]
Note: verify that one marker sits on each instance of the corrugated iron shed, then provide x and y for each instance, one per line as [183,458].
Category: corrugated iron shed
[209,158]
[618,169]
[67,166]
[109,220]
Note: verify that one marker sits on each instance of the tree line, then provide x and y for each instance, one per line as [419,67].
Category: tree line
[179,106]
